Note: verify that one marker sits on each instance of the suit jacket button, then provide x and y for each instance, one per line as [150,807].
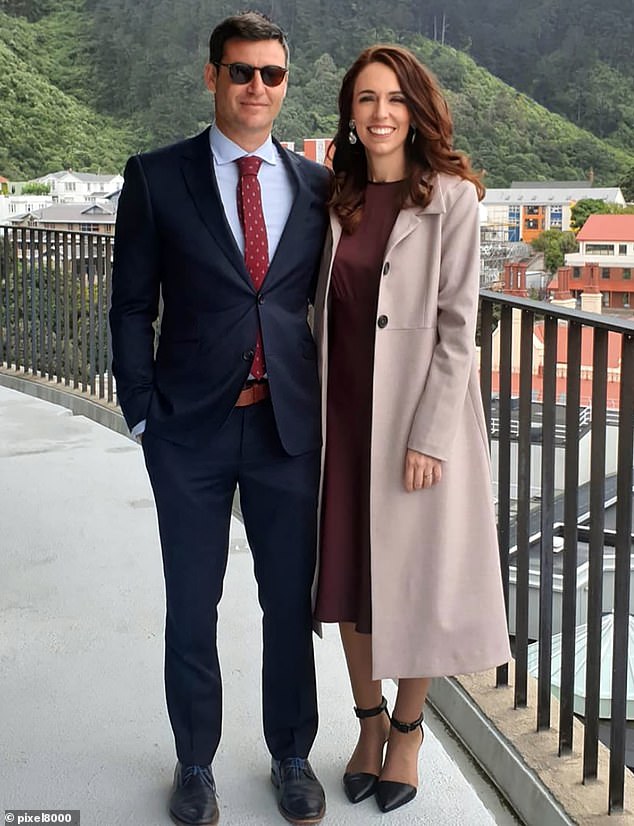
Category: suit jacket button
[248,355]
[260,299]
[382,321]
[386,268]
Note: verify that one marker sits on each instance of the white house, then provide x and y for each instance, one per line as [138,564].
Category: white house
[69,187]
[12,205]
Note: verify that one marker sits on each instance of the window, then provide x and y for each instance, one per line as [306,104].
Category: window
[600,249]
[622,249]
[627,273]
[605,272]
[69,186]
[556,217]
[532,210]
[532,223]
[576,272]
[605,299]
[626,300]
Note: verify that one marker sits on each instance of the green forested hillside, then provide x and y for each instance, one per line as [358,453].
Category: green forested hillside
[46,121]
[138,64]
[575,58]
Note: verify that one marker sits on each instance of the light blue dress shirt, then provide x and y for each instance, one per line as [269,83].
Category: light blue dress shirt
[275,184]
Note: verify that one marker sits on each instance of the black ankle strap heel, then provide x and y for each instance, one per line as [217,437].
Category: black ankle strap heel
[363,713]
[391,794]
[360,785]
[405,728]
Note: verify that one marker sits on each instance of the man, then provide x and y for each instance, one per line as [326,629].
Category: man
[230,398]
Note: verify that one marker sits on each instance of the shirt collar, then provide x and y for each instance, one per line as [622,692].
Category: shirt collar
[226,151]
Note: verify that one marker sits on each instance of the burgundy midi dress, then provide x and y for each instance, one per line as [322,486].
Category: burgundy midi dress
[344,585]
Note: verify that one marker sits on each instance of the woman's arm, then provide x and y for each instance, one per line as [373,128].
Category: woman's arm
[437,414]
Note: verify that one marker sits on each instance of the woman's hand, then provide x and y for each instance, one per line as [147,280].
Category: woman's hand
[421,471]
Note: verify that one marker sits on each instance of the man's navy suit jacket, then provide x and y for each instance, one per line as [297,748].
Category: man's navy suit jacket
[173,241]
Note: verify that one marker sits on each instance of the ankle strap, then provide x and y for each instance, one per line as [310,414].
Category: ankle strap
[405,728]
[362,713]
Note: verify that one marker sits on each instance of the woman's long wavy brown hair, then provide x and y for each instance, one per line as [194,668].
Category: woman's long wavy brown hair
[430,152]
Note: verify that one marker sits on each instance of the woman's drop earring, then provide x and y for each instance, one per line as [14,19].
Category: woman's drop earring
[413,137]
[352,135]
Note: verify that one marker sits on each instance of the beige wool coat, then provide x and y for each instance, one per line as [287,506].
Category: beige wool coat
[437,600]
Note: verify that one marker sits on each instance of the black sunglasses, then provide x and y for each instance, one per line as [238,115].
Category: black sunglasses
[242,73]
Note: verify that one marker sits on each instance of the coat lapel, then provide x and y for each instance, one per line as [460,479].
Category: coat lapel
[406,222]
[409,219]
[201,182]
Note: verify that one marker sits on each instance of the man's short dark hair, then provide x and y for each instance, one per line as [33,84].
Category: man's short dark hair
[248,25]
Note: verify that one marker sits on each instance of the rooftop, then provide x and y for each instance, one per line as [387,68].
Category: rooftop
[105,211]
[607,228]
[551,195]
[85,725]
[91,177]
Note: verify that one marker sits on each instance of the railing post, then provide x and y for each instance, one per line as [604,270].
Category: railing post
[524,453]
[622,575]
[504,462]
[547,519]
[595,567]
[571,513]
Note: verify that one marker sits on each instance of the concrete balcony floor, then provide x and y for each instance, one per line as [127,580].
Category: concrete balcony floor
[83,717]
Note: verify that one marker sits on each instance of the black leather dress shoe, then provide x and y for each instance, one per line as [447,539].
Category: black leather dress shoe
[300,796]
[193,799]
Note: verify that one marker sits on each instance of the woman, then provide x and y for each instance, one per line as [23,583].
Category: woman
[409,566]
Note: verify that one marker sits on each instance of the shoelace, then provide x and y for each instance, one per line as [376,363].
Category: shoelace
[204,772]
[294,766]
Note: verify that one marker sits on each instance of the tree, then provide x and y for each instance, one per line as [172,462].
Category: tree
[35,188]
[588,206]
[581,211]
[627,185]
[555,244]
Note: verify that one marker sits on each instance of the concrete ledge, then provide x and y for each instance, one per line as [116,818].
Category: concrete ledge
[540,786]
[521,787]
[80,403]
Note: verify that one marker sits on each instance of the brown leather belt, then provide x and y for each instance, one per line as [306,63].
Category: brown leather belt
[253,393]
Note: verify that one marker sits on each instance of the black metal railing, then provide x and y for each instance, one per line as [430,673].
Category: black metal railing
[54,291]
[511,381]
[54,295]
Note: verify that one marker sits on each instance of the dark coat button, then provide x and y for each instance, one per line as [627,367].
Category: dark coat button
[260,299]
[386,268]
[382,321]
[248,355]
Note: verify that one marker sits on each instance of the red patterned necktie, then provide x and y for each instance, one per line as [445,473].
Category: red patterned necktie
[256,245]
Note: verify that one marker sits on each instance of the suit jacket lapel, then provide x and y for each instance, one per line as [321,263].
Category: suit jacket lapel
[201,182]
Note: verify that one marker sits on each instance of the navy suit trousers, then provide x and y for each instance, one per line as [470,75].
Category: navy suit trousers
[193,489]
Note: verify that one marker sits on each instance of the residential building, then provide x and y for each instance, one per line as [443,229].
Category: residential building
[319,149]
[14,205]
[77,187]
[521,213]
[604,263]
[515,283]
[85,217]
